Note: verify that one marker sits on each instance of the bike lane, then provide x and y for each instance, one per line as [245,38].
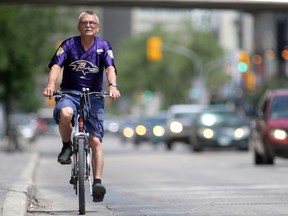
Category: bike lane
[54,194]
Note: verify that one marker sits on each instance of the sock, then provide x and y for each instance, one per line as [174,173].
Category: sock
[66,144]
[97,181]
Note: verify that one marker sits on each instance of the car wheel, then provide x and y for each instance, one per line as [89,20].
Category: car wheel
[136,141]
[244,148]
[169,145]
[197,147]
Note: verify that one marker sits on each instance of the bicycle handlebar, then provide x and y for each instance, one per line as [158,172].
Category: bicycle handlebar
[85,91]
[84,98]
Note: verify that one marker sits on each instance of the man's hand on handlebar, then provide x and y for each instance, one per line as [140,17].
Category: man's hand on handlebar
[48,92]
[114,93]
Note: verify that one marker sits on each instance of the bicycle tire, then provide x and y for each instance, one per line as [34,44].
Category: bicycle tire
[81,175]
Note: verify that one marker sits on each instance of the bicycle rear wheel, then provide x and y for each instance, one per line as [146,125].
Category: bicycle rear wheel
[81,175]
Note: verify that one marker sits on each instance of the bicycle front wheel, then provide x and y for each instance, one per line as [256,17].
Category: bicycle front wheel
[81,175]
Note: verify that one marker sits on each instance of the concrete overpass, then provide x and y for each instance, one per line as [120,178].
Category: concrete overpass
[246,5]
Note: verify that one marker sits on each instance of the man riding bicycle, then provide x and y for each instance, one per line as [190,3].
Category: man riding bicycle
[84,59]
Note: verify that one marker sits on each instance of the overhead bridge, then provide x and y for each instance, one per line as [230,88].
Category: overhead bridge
[247,5]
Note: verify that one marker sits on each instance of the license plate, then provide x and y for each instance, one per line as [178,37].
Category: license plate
[224,141]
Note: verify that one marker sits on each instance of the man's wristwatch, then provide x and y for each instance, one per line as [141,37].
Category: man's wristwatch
[114,84]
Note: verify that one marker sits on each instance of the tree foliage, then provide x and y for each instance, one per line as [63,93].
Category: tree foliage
[26,36]
[172,77]
[21,53]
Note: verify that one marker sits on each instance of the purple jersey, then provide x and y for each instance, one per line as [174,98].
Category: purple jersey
[83,68]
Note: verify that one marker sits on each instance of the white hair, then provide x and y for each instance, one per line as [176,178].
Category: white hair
[89,13]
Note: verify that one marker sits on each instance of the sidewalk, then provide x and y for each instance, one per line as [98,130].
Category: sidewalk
[16,181]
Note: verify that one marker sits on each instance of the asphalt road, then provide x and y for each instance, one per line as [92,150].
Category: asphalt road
[150,181]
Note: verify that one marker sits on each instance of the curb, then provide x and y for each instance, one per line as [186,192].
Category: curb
[16,201]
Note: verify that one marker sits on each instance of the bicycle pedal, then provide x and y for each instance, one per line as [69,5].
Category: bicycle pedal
[67,162]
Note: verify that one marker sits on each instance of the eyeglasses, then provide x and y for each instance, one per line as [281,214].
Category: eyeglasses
[92,23]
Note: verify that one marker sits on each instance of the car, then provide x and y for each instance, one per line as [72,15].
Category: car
[26,124]
[269,136]
[158,128]
[142,130]
[178,122]
[138,129]
[151,129]
[220,126]
[127,129]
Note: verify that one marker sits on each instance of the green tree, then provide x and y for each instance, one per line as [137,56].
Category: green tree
[172,76]
[26,36]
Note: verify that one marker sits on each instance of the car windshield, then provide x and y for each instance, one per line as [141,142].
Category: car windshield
[184,115]
[279,107]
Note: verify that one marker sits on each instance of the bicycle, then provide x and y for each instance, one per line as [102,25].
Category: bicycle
[81,161]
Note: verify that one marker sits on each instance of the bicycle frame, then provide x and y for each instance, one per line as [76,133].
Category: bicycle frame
[81,160]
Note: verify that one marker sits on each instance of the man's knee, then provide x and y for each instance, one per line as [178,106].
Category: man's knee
[95,141]
[66,115]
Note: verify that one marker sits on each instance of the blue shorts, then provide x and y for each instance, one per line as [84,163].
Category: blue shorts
[93,125]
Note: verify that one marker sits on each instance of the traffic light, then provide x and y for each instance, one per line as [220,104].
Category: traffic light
[250,81]
[154,49]
[244,62]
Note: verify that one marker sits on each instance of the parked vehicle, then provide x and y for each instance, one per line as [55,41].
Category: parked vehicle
[179,120]
[220,126]
[26,124]
[269,136]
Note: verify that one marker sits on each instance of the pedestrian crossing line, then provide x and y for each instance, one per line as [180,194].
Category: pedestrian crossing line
[206,188]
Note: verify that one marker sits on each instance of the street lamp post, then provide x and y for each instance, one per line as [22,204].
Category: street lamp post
[193,56]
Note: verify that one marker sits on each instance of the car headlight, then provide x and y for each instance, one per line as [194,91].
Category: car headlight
[206,133]
[241,132]
[113,127]
[141,130]
[128,132]
[158,131]
[279,134]
[176,127]
[27,132]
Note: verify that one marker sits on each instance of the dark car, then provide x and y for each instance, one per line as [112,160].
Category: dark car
[151,129]
[127,129]
[138,129]
[220,126]
[158,128]
[269,136]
